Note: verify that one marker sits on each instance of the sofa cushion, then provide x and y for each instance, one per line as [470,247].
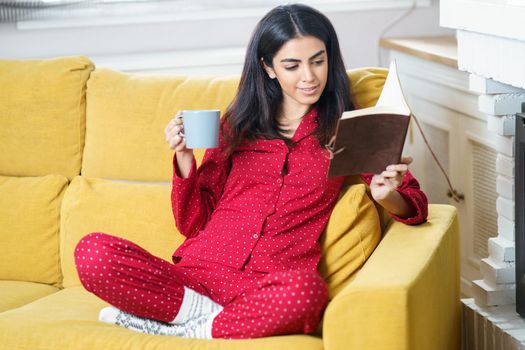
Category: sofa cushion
[366,85]
[29,222]
[140,212]
[14,294]
[126,117]
[127,114]
[42,115]
[351,235]
[69,320]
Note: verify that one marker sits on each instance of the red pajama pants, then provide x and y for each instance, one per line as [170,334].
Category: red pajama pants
[256,304]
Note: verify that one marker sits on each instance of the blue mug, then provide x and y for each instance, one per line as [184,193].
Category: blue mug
[201,128]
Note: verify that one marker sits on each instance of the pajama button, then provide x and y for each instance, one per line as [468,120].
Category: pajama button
[255,235]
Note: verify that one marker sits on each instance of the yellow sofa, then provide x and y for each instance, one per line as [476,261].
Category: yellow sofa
[83,150]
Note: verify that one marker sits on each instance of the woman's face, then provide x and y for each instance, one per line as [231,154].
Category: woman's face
[301,67]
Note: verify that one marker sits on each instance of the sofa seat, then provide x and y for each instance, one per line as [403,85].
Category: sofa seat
[17,293]
[70,317]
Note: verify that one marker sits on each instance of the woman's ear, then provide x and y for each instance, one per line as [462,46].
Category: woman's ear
[269,70]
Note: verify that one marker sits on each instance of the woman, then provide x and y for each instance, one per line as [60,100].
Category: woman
[254,210]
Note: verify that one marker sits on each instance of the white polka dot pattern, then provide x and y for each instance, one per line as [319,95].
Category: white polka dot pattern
[244,212]
[290,302]
[252,240]
[255,304]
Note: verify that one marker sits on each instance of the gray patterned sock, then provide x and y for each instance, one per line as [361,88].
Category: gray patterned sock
[198,327]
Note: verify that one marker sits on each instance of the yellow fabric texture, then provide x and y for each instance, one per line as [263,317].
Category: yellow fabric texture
[69,320]
[136,211]
[366,85]
[127,114]
[14,294]
[42,105]
[126,117]
[384,217]
[29,222]
[406,296]
[351,235]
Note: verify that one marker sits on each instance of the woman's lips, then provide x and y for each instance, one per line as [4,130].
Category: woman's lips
[310,90]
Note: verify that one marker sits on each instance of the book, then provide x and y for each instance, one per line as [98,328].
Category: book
[367,140]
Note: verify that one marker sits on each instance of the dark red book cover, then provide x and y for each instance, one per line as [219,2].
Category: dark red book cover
[367,140]
[368,144]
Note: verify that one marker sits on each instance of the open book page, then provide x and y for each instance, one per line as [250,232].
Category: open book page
[367,140]
[375,110]
[392,94]
[391,100]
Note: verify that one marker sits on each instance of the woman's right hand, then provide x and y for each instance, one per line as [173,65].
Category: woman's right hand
[173,134]
[177,142]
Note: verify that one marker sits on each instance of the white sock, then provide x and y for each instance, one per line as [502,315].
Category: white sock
[199,327]
[194,319]
[108,314]
[194,305]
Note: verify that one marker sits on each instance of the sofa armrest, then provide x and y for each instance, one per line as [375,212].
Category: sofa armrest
[407,295]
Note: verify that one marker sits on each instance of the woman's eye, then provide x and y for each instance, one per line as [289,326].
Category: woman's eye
[290,67]
[318,63]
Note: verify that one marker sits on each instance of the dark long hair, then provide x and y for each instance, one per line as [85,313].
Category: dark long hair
[253,112]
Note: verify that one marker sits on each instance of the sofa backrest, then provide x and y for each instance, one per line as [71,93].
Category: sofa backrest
[126,117]
[137,211]
[42,116]
[127,114]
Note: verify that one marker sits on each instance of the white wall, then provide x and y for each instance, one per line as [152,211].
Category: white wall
[151,44]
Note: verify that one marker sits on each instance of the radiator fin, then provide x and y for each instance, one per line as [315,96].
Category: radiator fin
[485,196]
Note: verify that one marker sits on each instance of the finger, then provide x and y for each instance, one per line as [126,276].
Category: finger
[378,180]
[175,140]
[397,167]
[178,119]
[390,183]
[173,143]
[171,124]
[389,174]
[176,131]
[170,134]
[406,160]
[170,129]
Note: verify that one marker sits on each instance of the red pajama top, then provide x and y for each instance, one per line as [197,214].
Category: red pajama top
[264,208]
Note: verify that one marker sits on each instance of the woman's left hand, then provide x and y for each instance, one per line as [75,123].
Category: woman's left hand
[386,183]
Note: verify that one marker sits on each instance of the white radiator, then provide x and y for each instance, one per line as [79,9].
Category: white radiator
[491,328]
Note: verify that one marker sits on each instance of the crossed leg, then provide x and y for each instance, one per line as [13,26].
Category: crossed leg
[128,277]
[290,302]
[146,289]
